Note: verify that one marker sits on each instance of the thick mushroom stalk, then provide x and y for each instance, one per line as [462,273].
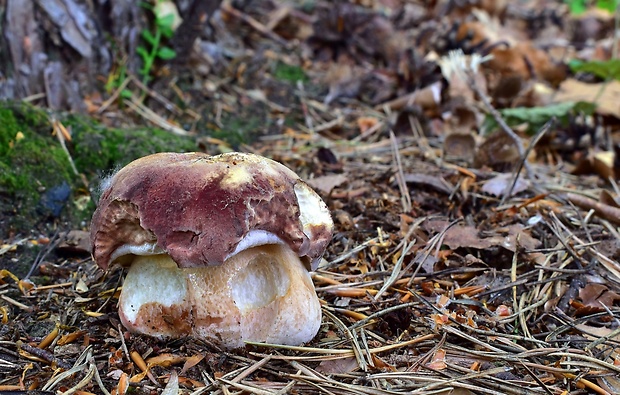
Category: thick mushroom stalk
[261,294]
[217,247]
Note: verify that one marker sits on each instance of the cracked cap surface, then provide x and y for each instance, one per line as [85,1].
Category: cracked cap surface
[202,209]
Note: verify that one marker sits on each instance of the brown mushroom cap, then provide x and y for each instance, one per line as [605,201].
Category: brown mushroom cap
[202,209]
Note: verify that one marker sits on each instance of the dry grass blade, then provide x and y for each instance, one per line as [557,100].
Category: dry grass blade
[80,365]
[461,380]
[337,352]
[400,175]
[396,271]
[150,115]
[247,387]
[595,362]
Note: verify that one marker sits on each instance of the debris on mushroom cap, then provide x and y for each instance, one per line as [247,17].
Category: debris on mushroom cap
[202,209]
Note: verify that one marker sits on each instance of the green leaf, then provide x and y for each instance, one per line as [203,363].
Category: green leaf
[143,52]
[165,21]
[607,5]
[148,37]
[536,117]
[126,94]
[285,72]
[605,70]
[166,31]
[145,5]
[111,84]
[576,7]
[584,107]
[166,53]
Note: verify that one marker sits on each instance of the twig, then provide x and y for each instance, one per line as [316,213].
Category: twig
[357,349]
[433,243]
[42,254]
[523,160]
[15,303]
[104,106]
[44,354]
[396,270]
[405,197]
[168,105]
[471,81]
[248,388]
[256,25]
[610,213]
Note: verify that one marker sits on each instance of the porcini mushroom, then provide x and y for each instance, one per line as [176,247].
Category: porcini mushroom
[217,247]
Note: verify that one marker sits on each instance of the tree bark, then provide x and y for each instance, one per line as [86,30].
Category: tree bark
[194,21]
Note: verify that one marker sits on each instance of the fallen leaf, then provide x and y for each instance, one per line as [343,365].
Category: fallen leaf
[344,80]
[469,237]
[499,185]
[327,183]
[608,103]
[438,183]
[76,242]
[338,366]
[599,163]
[165,360]
[497,151]
[595,296]
[438,360]
[459,146]
[191,362]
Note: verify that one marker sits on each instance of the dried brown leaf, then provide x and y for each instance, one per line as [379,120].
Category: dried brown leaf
[605,95]
[497,186]
[597,295]
[338,366]
[327,183]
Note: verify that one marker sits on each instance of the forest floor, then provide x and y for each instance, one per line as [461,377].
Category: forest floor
[468,154]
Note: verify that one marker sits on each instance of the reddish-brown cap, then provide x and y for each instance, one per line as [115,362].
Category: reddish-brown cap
[201,209]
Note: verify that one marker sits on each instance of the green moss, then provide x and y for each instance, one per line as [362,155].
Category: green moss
[239,130]
[8,131]
[285,72]
[97,148]
[31,165]
[35,172]
[233,137]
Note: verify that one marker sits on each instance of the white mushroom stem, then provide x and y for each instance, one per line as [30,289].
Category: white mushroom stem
[261,294]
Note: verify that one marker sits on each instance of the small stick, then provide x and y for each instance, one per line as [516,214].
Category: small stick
[610,213]
[44,355]
[523,160]
[16,303]
[500,121]
[256,25]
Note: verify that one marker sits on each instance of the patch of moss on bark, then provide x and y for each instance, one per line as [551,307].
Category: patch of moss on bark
[37,183]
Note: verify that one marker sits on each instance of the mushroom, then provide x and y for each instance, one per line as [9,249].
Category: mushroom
[218,247]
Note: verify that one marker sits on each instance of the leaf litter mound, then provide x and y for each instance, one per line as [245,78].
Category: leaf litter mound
[476,249]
